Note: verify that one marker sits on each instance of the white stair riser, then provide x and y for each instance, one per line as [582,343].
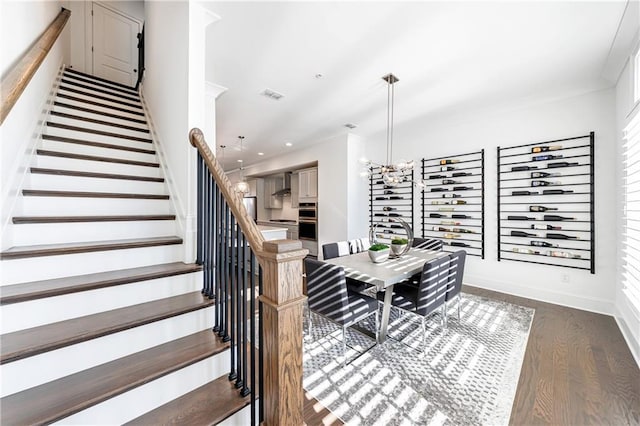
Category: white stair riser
[20,316]
[66,206]
[43,368]
[240,418]
[47,267]
[97,115]
[130,405]
[54,233]
[92,93]
[98,151]
[97,126]
[76,183]
[114,140]
[50,162]
[99,85]
[98,108]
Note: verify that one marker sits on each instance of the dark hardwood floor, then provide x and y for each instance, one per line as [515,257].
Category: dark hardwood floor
[577,370]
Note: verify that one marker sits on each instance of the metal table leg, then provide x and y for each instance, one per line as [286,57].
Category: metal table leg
[386,309]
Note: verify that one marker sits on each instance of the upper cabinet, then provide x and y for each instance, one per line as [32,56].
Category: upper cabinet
[271,185]
[308,185]
[295,190]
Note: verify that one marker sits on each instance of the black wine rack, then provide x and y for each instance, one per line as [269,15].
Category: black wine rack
[546,203]
[453,201]
[387,202]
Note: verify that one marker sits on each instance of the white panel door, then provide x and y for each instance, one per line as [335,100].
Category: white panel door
[115,46]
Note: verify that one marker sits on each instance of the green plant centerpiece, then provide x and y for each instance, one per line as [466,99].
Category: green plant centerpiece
[378,252]
[398,246]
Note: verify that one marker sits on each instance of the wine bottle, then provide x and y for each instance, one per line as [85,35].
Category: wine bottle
[462,231]
[388,191]
[436,202]
[520,218]
[565,254]
[396,197]
[394,215]
[448,181]
[543,174]
[537,149]
[440,229]
[445,162]
[437,176]
[449,222]
[436,215]
[446,209]
[547,227]
[560,164]
[544,183]
[541,208]
[459,202]
[459,174]
[381,198]
[378,182]
[523,168]
[522,234]
[542,244]
[525,251]
[388,187]
[447,168]
[379,214]
[451,196]
[555,191]
[556,218]
[460,216]
[554,236]
[438,189]
[388,209]
[545,157]
[451,236]
[462,188]
[524,193]
[459,244]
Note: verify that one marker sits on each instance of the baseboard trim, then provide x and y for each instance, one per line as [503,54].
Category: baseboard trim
[634,346]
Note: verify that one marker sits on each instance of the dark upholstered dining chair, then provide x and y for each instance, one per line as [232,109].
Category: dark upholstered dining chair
[426,295]
[345,248]
[328,296]
[456,272]
[428,243]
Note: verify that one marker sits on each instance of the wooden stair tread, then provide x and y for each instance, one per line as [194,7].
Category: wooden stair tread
[60,172]
[33,341]
[88,194]
[23,292]
[96,121]
[97,132]
[77,219]
[97,144]
[119,94]
[61,398]
[99,104]
[103,113]
[96,78]
[85,247]
[95,158]
[92,80]
[93,95]
[207,405]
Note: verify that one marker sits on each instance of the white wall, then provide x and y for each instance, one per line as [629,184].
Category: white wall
[424,138]
[21,23]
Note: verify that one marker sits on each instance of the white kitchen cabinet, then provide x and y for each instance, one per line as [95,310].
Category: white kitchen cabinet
[295,191]
[308,185]
[271,185]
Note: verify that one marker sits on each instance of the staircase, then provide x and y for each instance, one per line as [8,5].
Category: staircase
[102,323]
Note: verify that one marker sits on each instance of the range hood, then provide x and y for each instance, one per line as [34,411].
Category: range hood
[286,190]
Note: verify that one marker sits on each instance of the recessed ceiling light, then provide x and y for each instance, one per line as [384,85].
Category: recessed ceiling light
[261,153]
[350,126]
[272,94]
[319,75]
[239,161]
[288,144]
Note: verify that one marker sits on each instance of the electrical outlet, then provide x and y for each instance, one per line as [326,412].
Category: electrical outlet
[566,278]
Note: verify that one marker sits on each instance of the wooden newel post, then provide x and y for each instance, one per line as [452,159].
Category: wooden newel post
[282,301]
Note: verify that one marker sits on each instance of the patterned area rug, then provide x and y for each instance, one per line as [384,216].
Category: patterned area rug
[466,375]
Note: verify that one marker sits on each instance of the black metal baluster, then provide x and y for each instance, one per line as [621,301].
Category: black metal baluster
[232,260]
[211,243]
[200,213]
[260,349]
[226,281]
[239,313]
[245,339]
[218,263]
[252,335]
[207,236]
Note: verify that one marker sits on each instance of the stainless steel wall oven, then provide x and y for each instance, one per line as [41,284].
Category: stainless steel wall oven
[308,221]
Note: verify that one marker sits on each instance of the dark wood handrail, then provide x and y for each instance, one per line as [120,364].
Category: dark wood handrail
[18,77]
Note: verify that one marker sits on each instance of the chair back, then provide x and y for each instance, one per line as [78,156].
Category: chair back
[359,245]
[432,288]
[331,250]
[456,272]
[433,244]
[327,290]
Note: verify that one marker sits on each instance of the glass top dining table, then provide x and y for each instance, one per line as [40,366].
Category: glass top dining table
[384,275]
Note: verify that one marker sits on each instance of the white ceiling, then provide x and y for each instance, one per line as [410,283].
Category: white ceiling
[449,57]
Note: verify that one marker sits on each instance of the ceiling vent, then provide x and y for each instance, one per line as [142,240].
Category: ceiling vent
[350,126]
[272,94]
